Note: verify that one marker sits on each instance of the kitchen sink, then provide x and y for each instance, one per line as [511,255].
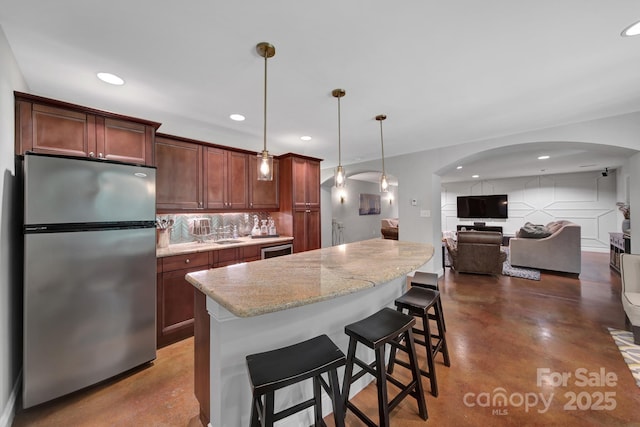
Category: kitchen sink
[227,241]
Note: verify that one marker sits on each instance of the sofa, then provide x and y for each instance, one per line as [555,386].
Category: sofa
[554,246]
[630,275]
[389,228]
[477,252]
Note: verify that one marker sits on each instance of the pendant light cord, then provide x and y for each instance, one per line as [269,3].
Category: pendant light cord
[339,144]
[265,103]
[382,144]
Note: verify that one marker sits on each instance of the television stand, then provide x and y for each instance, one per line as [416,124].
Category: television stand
[479,228]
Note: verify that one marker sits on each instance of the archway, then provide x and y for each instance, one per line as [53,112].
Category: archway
[347,223]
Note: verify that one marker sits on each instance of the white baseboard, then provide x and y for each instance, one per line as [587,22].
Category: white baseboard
[9,411]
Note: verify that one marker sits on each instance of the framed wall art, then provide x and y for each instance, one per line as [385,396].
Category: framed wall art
[369,204]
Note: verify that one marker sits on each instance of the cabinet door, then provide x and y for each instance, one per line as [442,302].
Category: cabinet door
[175,307]
[237,180]
[299,231]
[250,253]
[263,194]
[306,183]
[312,179]
[179,174]
[299,182]
[124,141]
[313,229]
[306,230]
[227,257]
[215,182]
[51,130]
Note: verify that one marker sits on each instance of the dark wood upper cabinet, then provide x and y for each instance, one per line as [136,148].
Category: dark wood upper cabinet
[215,174]
[195,175]
[51,130]
[305,182]
[226,179]
[179,174]
[124,141]
[54,127]
[263,194]
[237,180]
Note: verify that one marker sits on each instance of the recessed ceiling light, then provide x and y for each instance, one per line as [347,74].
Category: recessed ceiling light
[631,30]
[475,176]
[459,167]
[237,117]
[305,138]
[111,79]
[543,157]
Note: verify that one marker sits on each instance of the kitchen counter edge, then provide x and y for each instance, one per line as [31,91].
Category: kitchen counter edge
[194,247]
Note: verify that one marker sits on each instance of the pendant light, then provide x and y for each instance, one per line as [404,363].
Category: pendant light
[339,175]
[384,184]
[265,161]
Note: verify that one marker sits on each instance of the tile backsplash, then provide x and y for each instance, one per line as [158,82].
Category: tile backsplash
[222,225]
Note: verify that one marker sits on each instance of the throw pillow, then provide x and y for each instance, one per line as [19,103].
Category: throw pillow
[534,231]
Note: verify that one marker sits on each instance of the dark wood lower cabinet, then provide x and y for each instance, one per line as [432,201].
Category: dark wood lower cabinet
[175,309]
[174,317]
[306,230]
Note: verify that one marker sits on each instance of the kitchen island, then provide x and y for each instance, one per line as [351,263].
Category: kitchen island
[254,307]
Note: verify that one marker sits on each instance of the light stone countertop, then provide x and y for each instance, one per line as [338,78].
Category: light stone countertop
[275,284]
[192,247]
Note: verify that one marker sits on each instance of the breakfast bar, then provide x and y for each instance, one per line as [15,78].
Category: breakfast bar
[253,307]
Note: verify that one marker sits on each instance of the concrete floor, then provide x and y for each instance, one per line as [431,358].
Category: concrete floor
[507,337]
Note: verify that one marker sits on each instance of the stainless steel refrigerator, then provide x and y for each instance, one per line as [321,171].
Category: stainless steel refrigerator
[89,272]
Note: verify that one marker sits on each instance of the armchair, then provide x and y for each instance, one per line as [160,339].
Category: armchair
[630,274]
[389,228]
[477,252]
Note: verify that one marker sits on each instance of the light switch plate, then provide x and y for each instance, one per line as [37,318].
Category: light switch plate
[425,213]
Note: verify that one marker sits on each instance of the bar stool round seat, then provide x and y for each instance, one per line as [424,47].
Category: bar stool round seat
[386,326]
[419,301]
[275,369]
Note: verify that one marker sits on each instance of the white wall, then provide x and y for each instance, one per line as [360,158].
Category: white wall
[587,199]
[418,177]
[634,198]
[10,235]
[361,227]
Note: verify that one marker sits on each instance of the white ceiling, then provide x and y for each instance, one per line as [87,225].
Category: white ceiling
[444,72]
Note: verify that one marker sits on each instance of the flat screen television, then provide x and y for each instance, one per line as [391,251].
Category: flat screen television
[491,206]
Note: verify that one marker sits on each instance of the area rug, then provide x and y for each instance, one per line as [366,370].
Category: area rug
[523,273]
[630,351]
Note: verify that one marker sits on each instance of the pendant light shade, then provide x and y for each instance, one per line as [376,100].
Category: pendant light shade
[384,183]
[340,177]
[265,160]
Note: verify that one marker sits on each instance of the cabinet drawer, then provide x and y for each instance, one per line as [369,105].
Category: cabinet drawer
[198,259]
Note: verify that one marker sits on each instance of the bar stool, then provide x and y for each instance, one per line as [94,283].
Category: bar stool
[430,281]
[387,326]
[275,369]
[418,301]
